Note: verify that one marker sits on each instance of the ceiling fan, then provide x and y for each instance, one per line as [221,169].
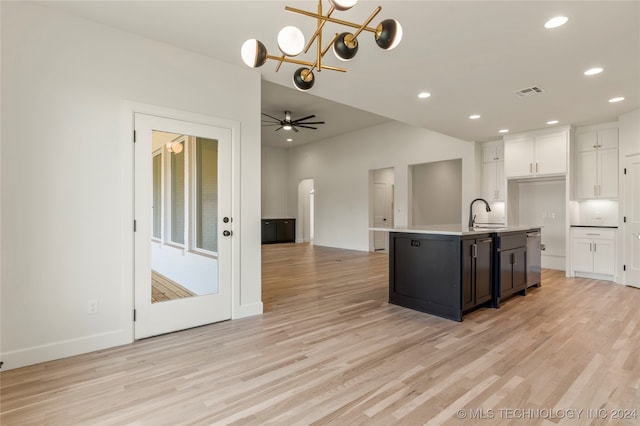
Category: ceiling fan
[288,124]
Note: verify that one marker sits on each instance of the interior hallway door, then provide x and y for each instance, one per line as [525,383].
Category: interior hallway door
[632,226]
[183,229]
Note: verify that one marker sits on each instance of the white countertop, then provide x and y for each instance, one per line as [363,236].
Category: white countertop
[455,229]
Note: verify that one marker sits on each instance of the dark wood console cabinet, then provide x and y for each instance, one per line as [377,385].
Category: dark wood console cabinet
[278,231]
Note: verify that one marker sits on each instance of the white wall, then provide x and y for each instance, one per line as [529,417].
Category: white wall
[436,189]
[340,167]
[274,182]
[67,181]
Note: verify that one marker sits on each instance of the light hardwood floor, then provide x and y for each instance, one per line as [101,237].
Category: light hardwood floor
[163,289]
[330,350]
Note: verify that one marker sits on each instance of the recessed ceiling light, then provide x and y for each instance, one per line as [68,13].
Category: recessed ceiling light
[618,99]
[474,116]
[424,95]
[593,71]
[289,140]
[552,122]
[503,131]
[556,22]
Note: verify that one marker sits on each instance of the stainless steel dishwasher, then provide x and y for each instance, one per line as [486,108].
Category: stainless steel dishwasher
[534,266]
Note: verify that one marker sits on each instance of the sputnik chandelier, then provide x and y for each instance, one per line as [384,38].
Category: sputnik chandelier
[345,45]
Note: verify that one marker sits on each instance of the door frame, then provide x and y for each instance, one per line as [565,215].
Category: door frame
[130,108]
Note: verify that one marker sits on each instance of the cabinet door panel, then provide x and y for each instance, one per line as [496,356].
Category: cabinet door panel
[582,256]
[489,180]
[520,269]
[608,138]
[468,297]
[608,173]
[551,154]
[587,141]
[586,172]
[506,272]
[483,282]
[518,156]
[603,257]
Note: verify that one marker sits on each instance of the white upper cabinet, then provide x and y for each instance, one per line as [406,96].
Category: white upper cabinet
[493,171]
[596,171]
[536,154]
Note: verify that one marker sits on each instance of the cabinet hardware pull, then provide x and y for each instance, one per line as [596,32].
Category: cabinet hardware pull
[590,246]
[595,146]
[530,167]
[595,247]
[474,250]
[588,233]
[536,167]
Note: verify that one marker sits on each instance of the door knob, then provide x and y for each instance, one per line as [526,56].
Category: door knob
[227,233]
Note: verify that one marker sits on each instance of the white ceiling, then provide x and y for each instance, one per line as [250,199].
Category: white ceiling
[471,55]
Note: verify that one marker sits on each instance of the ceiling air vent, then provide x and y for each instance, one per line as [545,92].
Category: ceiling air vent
[529,91]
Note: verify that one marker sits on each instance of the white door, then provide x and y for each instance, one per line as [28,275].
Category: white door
[632,225]
[381,214]
[183,235]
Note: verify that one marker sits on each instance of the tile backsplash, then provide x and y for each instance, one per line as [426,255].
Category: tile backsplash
[595,213]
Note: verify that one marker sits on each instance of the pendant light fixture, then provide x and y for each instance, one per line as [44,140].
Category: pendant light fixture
[291,43]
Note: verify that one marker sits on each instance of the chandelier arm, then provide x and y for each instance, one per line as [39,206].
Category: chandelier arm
[364,25]
[319,54]
[318,65]
[305,63]
[328,18]
[320,26]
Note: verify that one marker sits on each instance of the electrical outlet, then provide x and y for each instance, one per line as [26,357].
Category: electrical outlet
[92,307]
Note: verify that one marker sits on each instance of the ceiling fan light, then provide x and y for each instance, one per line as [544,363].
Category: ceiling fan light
[253,53]
[287,127]
[345,47]
[303,79]
[343,4]
[388,34]
[290,41]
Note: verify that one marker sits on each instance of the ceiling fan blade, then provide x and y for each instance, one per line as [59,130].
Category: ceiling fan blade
[294,129]
[278,128]
[312,122]
[270,124]
[306,127]
[270,116]
[302,119]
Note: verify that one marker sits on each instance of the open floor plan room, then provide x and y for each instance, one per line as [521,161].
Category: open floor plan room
[330,349]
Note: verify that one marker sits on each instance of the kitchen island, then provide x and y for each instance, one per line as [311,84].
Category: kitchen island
[449,270]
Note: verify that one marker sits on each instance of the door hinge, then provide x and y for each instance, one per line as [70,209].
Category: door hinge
[625,170]
[135,225]
[1,364]
[134,136]
[134,315]
[624,219]
[624,267]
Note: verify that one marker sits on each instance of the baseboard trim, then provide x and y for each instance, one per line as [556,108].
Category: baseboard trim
[248,310]
[64,349]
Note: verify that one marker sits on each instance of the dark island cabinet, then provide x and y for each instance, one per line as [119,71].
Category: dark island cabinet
[278,231]
[477,273]
[443,275]
[511,266]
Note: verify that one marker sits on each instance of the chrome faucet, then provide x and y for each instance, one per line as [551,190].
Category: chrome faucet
[472,217]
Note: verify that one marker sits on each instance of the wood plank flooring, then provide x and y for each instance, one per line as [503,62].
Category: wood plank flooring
[330,350]
[163,288]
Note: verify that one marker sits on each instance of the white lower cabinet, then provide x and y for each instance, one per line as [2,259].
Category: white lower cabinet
[593,252]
